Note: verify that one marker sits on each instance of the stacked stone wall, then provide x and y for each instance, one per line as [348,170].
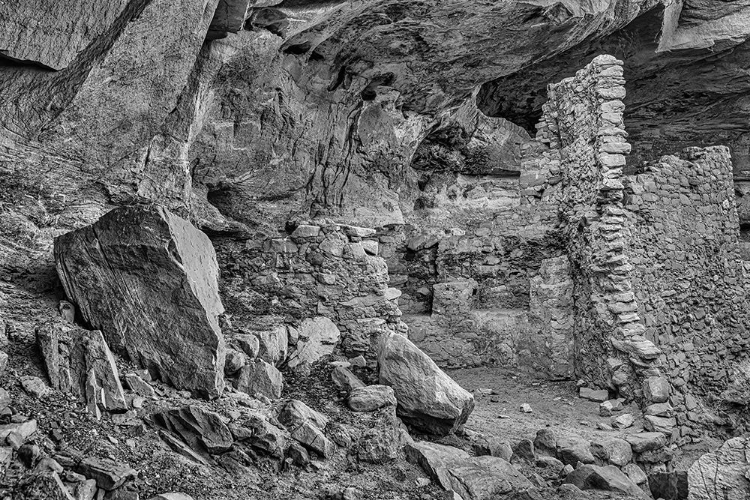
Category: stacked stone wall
[689,278]
[470,295]
[320,269]
[583,120]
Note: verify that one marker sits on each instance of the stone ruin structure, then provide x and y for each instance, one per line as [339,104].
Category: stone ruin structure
[567,267]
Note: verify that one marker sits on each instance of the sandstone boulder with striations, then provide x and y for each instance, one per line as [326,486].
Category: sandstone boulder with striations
[148,280]
[427,398]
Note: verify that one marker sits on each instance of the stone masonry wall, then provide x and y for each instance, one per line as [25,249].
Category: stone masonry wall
[689,278]
[467,292]
[320,269]
[583,120]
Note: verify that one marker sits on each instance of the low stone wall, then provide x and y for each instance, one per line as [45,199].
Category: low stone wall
[320,269]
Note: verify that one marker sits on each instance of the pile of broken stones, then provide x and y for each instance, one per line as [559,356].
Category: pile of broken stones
[152,358]
[144,282]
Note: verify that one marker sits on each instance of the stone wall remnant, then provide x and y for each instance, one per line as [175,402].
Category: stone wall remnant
[322,280]
[583,120]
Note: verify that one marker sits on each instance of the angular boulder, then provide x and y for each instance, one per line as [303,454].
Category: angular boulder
[148,280]
[259,377]
[646,441]
[273,345]
[75,358]
[608,478]
[721,474]
[204,431]
[380,445]
[306,426]
[473,478]
[427,397]
[345,379]
[371,398]
[573,449]
[109,475]
[259,433]
[317,338]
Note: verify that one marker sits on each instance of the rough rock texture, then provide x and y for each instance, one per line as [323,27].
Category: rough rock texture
[202,430]
[306,426]
[608,478]
[148,280]
[283,128]
[316,277]
[317,337]
[476,478]
[371,398]
[259,377]
[73,357]
[427,397]
[722,474]
[47,485]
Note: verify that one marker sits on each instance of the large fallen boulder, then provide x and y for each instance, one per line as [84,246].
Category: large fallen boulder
[721,474]
[427,398]
[474,478]
[148,280]
[77,359]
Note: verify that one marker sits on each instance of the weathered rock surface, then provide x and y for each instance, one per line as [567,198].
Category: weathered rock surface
[172,496]
[273,344]
[73,357]
[646,441]
[259,377]
[608,478]
[306,426]
[109,475]
[427,397]
[259,433]
[721,474]
[202,430]
[148,280]
[371,397]
[317,338]
[46,485]
[474,478]
[345,379]
[24,429]
[669,485]
[382,445]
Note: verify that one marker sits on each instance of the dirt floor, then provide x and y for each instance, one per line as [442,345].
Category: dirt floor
[553,404]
